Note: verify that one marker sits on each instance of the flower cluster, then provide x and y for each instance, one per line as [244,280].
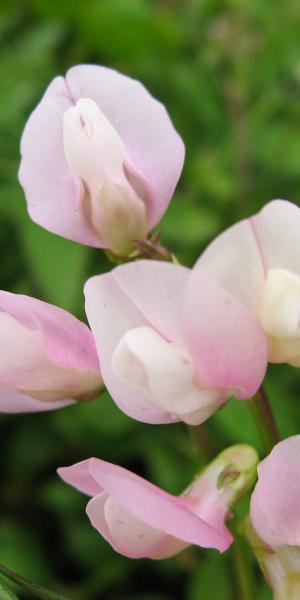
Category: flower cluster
[169,343]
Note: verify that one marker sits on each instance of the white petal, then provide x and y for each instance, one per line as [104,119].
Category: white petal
[279,313]
[145,361]
[93,148]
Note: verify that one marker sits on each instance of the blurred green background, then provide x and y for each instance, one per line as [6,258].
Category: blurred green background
[229,74]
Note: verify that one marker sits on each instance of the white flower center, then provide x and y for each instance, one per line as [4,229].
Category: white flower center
[279,313]
[145,361]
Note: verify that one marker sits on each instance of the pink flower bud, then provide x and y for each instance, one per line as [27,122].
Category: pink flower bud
[141,520]
[48,358]
[164,333]
[257,260]
[100,159]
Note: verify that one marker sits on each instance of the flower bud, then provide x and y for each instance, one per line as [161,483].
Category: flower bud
[47,357]
[100,159]
[141,520]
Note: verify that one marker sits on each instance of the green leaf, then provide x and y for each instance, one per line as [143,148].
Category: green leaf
[58,266]
[6,593]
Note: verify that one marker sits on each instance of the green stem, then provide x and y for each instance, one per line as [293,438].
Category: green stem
[264,419]
[29,586]
[202,443]
[242,570]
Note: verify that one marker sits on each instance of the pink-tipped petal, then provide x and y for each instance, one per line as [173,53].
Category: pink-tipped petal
[228,346]
[275,502]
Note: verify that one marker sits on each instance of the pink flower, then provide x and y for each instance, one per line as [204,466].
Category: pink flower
[141,520]
[275,517]
[173,344]
[100,159]
[258,261]
[47,358]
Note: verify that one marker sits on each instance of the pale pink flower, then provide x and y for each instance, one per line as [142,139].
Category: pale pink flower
[47,357]
[141,520]
[100,159]
[258,261]
[173,345]
[275,517]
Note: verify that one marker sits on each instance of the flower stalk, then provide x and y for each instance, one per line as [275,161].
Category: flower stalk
[29,586]
[262,414]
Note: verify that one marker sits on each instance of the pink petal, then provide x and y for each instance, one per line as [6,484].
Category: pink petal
[80,477]
[275,502]
[48,357]
[54,195]
[228,346]
[69,342]
[127,534]
[12,401]
[157,289]
[148,503]
[233,259]
[134,295]
[154,149]
[240,257]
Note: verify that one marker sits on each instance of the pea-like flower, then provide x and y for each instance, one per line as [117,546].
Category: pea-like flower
[274,532]
[258,261]
[47,357]
[100,159]
[141,520]
[173,345]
